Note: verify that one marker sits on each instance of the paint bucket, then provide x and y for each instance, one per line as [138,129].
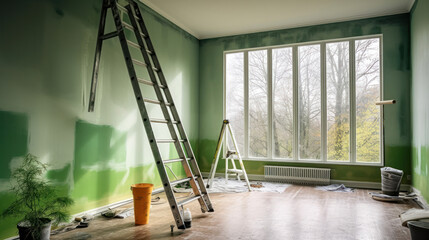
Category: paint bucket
[391,180]
[142,193]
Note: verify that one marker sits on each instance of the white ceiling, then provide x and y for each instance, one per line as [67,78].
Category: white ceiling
[216,18]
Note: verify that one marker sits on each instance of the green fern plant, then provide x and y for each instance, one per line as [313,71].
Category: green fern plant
[36,200]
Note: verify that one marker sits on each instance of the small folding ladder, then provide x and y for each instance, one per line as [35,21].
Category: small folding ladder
[230,156]
[136,27]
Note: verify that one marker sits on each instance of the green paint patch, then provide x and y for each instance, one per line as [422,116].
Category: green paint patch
[7,225]
[59,175]
[13,139]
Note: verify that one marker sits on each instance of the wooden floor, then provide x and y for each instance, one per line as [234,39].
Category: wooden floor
[301,212]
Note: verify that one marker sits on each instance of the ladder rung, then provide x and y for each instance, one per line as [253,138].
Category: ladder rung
[165,141]
[109,35]
[174,160]
[135,61]
[145,81]
[122,8]
[128,26]
[169,140]
[235,171]
[159,120]
[173,183]
[161,189]
[149,83]
[148,100]
[158,190]
[133,44]
[188,200]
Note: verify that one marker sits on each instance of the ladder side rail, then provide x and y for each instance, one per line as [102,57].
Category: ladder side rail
[98,47]
[216,157]
[240,160]
[164,109]
[143,112]
[173,109]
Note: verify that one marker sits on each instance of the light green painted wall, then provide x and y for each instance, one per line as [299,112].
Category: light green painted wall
[420,96]
[46,56]
[396,71]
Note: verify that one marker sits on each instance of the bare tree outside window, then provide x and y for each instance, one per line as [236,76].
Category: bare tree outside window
[282,103]
[367,93]
[338,100]
[234,74]
[258,104]
[309,104]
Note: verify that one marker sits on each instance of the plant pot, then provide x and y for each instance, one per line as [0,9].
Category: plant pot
[26,232]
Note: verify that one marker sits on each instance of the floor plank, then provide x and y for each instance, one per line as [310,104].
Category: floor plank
[301,212]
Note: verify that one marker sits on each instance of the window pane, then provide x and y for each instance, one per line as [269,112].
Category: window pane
[282,103]
[309,104]
[235,97]
[338,106]
[258,108]
[367,93]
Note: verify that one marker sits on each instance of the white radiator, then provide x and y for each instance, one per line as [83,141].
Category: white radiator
[298,175]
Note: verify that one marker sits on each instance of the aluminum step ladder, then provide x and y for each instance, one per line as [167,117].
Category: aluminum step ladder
[230,156]
[136,26]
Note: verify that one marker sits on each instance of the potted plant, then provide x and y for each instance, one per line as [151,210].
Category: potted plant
[36,201]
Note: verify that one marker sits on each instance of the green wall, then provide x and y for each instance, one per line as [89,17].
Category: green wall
[420,96]
[396,71]
[46,56]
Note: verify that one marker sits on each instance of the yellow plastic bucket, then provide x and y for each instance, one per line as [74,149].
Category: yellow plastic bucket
[142,198]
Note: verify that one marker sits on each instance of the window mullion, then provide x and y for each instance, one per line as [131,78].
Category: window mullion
[295,103]
[246,103]
[352,89]
[270,103]
[324,114]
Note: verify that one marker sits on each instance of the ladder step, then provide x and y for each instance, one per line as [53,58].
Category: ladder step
[131,28]
[161,189]
[133,44]
[140,63]
[143,81]
[158,191]
[128,26]
[123,9]
[168,141]
[235,171]
[188,200]
[148,100]
[173,183]
[174,160]
[159,120]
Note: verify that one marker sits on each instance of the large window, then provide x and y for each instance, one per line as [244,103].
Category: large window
[307,102]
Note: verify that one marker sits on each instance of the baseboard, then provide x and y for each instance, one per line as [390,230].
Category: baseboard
[421,201]
[99,210]
[353,184]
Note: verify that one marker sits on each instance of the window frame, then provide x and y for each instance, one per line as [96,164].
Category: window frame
[323,85]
